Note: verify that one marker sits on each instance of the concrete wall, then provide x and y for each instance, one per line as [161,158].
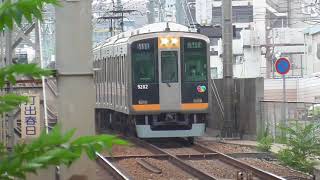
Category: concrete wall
[298,90]
[248,93]
[273,89]
[309,90]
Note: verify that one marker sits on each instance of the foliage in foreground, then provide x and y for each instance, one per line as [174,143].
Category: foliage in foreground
[55,148]
[10,101]
[265,142]
[15,11]
[303,145]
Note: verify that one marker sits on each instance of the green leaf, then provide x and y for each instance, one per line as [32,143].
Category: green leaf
[84,140]
[18,15]
[9,102]
[31,166]
[14,11]
[120,142]
[68,135]
[37,14]
[12,79]
[91,152]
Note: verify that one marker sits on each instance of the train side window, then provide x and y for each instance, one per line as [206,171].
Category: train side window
[105,70]
[169,66]
[98,72]
[94,72]
[110,69]
[102,69]
[117,69]
[120,69]
[124,69]
[113,70]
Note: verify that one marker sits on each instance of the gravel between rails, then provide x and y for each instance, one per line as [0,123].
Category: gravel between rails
[228,148]
[273,168]
[215,168]
[118,150]
[136,171]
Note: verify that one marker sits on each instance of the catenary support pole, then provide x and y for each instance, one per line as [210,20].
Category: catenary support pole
[8,117]
[229,124]
[74,77]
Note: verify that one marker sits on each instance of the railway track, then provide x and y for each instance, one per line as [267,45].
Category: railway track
[188,162]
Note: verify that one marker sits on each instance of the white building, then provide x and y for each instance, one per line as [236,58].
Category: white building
[312,51]
[272,29]
[266,30]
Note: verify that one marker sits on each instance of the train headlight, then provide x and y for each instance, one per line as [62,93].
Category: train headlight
[164,41]
[174,41]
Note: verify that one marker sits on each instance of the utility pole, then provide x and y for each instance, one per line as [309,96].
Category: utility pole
[117,17]
[179,11]
[228,86]
[76,99]
[151,15]
[8,116]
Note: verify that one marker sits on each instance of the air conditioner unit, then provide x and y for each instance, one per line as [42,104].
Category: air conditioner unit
[239,59]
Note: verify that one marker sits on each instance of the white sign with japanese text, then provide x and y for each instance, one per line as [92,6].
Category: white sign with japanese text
[30,117]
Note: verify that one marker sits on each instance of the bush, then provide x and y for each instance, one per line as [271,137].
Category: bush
[303,145]
[265,142]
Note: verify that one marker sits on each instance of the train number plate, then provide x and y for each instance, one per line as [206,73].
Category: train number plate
[143,86]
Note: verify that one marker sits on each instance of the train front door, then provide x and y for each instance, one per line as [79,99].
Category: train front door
[169,80]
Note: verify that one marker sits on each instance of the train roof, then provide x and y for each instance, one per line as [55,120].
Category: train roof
[150,28]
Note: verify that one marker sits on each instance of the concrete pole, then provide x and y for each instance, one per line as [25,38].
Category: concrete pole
[151,11]
[8,61]
[229,124]
[76,98]
[37,32]
[179,11]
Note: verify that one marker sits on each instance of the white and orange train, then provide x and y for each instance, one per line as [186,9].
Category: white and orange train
[153,81]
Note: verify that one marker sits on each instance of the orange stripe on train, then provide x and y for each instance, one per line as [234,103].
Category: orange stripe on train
[146,107]
[194,106]
[156,107]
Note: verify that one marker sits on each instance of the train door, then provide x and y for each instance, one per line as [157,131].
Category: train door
[169,79]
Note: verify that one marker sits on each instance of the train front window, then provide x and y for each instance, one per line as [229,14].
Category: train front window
[143,62]
[195,61]
[169,66]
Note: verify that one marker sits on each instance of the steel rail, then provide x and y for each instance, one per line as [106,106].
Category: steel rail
[115,172]
[176,161]
[163,156]
[241,165]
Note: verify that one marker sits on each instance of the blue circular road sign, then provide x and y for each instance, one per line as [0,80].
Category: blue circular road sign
[283,66]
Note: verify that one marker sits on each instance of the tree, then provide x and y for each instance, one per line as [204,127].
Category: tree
[55,148]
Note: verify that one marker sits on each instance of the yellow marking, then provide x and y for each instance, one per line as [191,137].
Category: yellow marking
[146,107]
[194,106]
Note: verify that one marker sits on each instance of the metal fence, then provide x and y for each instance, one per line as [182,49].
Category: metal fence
[274,114]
